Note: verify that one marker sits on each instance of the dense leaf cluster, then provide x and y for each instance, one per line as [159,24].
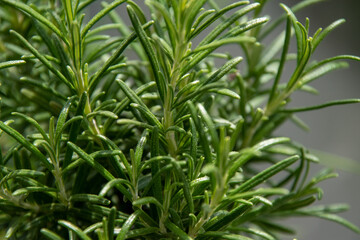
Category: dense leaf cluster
[154,132]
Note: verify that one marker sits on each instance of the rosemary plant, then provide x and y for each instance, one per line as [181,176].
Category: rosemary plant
[154,132]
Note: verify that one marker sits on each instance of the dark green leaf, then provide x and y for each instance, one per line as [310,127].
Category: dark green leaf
[148,115]
[19,138]
[75,128]
[226,68]
[217,15]
[224,25]
[330,217]
[186,185]
[111,223]
[142,231]
[147,200]
[326,31]
[128,224]
[257,232]
[62,118]
[203,139]
[112,183]
[321,70]
[177,231]
[202,16]
[75,229]
[171,29]
[100,15]
[220,223]
[328,104]
[98,167]
[251,24]
[140,149]
[224,235]
[235,136]
[161,85]
[124,44]
[91,198]
[247,154]
[215,44]
[282,60]
[210,125]
[50,234]
[32,12]
[266,174]
[191,13]
[35,124]
[277,22]
[43,59]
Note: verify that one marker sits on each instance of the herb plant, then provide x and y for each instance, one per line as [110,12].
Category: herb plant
[154,132]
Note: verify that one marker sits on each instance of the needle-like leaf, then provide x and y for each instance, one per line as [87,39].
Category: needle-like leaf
[38,16]
[149,51]
[43,59]
[29,146]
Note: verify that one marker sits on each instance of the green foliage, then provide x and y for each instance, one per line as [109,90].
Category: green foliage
[165,143]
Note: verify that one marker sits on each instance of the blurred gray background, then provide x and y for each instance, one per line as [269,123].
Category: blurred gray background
[334,130]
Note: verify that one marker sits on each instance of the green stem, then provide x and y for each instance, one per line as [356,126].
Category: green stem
[168,122]
[92,122]
[268,111]
[18,201]
[215,200]
[60,184]
[82,82]
[177,66]
[57,173]
[249,135]
[166,203]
